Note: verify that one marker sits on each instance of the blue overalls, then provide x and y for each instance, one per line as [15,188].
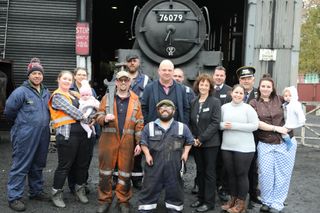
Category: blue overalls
[30,136]
[166,147]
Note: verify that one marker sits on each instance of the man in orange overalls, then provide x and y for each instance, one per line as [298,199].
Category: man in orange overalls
[119,143]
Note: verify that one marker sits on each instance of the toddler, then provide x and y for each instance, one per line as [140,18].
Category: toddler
[88,105]
[293,113]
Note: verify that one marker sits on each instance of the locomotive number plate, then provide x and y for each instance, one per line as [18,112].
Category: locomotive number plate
[171,17]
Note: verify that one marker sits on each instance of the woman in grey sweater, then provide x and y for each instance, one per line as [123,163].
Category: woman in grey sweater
[238,121]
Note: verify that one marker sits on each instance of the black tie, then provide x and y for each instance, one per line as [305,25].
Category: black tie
[246,96]
[217,88]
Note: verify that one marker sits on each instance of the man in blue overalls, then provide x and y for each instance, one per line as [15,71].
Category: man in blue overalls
[166,144]
[27,107]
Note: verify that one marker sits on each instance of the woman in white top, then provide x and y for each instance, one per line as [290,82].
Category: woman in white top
[238,121]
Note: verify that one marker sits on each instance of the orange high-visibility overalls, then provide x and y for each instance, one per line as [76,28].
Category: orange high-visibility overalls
[114,150]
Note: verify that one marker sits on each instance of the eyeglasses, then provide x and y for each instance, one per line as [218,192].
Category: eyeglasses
[125,80]
[165,107]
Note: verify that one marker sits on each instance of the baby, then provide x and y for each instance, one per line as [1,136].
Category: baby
[88,105]
[293,113]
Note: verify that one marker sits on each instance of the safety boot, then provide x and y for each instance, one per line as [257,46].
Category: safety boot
[81,193]
[57,198]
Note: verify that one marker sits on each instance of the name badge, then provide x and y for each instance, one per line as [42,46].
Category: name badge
[206,110]
[223,95]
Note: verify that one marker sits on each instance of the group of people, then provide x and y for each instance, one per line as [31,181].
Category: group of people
[232,132]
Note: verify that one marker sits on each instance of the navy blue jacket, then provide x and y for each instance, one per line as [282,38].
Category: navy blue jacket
[150,98]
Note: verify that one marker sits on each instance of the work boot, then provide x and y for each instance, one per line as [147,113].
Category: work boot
[229,204]
[57,198]
[17,205]
[239,207]
[81,193]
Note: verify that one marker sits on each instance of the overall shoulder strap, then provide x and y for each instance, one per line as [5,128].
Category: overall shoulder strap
[151,129]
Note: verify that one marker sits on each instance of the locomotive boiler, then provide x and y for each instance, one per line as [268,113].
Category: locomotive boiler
[172,29]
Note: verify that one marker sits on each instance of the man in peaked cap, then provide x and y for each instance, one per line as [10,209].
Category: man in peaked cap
[30,137]
[246,79]
[245,71]
[166,144]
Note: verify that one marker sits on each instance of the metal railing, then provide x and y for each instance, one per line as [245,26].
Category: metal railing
[310,127]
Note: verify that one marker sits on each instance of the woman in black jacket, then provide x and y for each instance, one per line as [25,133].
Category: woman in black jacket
[204,124]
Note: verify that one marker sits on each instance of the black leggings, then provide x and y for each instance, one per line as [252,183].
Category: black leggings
[237,165]
[74,152]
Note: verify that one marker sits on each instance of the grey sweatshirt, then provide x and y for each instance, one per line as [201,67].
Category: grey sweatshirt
[244,121]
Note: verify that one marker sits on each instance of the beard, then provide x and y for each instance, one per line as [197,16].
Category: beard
[165,117]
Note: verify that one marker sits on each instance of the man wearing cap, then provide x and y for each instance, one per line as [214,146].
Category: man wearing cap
[27,107]
[119,143]
[246,79]
[138,82]
[165,88]
[166,144]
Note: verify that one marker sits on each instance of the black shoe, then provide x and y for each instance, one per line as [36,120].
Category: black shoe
[264,208]
[137,184]
[42,196]
[195,189]
[254,202]
[103,208]
[17,205]
[204,208]
[223,196]
[196,204]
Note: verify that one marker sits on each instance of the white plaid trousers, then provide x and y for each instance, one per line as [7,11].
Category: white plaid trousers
[275,169]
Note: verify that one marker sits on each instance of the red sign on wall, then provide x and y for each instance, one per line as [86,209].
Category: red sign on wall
[82,38]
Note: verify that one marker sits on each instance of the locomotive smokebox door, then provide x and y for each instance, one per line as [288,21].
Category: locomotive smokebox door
[170,29]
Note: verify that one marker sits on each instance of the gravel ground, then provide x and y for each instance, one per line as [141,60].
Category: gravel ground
[304,193]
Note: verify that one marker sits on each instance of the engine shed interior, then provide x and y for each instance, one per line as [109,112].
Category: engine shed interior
[111,30]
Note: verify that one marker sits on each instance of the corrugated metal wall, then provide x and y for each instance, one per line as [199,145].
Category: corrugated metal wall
[274,24]
[44,29]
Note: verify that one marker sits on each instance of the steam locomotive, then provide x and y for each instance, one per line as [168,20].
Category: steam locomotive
[172,29]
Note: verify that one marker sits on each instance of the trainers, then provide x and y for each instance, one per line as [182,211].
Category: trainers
[57,198]
[81,193]
[42,196]
[17,205]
